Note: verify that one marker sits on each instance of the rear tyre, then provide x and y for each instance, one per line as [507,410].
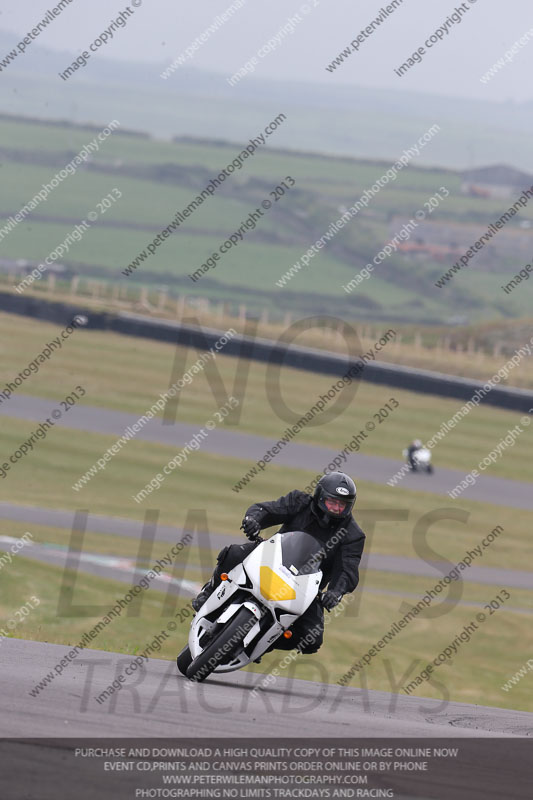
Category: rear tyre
[184,660]
[430,469]
[223,646]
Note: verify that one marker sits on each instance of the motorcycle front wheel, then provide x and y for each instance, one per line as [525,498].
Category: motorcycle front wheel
[223,647]
[184,660]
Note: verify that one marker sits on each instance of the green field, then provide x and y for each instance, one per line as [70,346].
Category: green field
[113,381]
[158,178]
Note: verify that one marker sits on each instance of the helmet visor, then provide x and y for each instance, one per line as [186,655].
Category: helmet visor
[334,505]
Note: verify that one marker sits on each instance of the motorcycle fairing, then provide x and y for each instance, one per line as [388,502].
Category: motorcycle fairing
[275,592]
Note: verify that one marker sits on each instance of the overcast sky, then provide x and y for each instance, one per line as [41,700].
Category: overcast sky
[160,30]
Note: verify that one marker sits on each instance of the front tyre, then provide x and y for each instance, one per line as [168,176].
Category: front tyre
[224,645]
[184,660]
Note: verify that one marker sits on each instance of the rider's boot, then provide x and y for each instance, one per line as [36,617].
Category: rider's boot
[204,594]
[207,589]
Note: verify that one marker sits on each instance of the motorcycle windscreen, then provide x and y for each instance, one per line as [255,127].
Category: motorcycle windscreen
[302,554]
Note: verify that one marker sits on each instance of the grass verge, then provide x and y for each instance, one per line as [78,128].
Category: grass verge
[475,675]
[128,374]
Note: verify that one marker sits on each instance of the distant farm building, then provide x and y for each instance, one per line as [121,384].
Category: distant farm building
[496,181]
[436,252]
[447,240]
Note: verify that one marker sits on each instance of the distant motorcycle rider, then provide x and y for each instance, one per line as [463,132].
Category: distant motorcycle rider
[411,450]
[327,515]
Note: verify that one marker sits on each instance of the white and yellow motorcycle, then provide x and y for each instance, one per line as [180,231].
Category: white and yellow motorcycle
[256,604]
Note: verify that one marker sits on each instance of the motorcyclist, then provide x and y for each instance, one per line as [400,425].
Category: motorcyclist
[327,515]
[415,445]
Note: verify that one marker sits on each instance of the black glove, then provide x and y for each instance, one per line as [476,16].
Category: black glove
[330,599]
[251,528]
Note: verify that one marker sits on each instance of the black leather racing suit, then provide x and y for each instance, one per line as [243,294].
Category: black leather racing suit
[294,511]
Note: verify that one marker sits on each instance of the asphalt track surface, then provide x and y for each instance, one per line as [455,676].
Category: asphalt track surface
[249,447]
[160,702]
[433,571]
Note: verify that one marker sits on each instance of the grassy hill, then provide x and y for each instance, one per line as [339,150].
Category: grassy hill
[369,122]
[159,178]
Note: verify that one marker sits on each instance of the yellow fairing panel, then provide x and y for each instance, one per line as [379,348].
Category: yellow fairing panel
[273,587]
